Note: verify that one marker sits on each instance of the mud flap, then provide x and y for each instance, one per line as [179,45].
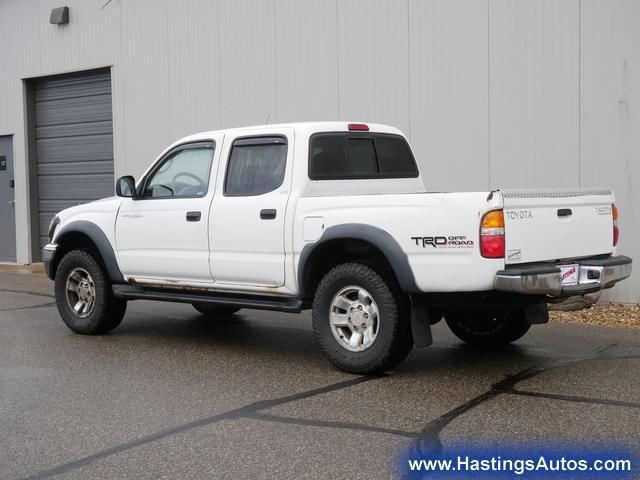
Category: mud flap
[536,313]
[420,324]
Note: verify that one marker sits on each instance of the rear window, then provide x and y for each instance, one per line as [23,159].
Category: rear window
[341,156]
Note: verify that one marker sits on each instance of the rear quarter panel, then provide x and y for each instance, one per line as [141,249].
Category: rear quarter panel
[437,231]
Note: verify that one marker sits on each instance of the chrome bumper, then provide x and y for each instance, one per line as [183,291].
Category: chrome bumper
[48,252]
[595,274]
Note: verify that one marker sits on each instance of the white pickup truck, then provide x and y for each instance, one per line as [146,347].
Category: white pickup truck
[333,217]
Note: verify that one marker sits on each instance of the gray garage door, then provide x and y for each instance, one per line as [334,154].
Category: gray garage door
[74,142]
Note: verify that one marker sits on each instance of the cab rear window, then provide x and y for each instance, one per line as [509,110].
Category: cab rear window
[346,156]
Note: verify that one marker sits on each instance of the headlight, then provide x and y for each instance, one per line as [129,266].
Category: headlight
[52,226]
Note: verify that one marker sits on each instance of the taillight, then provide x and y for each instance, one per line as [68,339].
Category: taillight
[358,127]
[616,232]
[492,234]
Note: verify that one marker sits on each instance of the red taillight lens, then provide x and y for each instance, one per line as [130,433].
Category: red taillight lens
[359,127]
[616,231]
[492,234]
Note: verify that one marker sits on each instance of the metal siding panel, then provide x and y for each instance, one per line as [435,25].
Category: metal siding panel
[193,72]
[610,120]
[533,78]
[306,60]
[373,63]
[142,76]
[448,50]
[247,62]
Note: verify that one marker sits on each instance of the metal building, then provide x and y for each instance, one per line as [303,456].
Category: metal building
[492,93]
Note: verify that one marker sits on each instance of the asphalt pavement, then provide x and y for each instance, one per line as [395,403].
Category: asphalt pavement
[172,394]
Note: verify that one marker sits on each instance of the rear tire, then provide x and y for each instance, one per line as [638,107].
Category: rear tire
[215,310]
[487,327]
[84,297]
[361,320]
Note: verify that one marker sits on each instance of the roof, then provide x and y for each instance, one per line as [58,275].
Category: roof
[302,127]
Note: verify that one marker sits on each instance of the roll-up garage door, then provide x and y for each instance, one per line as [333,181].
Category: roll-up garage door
[74,142]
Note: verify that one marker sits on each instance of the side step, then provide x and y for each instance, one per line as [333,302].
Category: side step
[258,302]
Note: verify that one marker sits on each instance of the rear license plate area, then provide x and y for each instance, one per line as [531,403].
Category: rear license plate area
[570,274]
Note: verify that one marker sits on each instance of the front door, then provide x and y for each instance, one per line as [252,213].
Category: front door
[248,216]
[163,236]
[7,202]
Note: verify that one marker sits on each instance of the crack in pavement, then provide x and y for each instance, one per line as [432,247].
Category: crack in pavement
[241,412]
[27,292]
[429,439]
[330,424]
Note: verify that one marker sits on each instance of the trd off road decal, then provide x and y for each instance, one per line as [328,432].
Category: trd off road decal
[441,241]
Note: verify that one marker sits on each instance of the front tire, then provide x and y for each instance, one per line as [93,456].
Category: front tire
[360,320]
[83,295]
[488,327]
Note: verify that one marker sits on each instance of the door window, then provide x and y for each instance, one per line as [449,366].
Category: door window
[182,174]
[256,166]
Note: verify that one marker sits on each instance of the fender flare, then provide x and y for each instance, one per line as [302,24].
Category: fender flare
[379,238]
[100,240]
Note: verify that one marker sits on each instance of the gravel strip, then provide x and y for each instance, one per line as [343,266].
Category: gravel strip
[611,315]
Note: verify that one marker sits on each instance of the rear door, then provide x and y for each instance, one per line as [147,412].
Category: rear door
[557,224]
[248,216]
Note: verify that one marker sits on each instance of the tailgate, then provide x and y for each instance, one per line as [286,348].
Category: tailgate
[554,224]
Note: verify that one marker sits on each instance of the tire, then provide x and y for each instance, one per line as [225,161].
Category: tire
[487,327]
[215,310]
[102,312]
[388,329]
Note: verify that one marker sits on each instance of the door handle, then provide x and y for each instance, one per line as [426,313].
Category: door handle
[268,213]
[564,212]
[11,202]
[193,216]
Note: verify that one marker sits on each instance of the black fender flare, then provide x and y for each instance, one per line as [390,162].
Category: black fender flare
[100,240]
[379,238]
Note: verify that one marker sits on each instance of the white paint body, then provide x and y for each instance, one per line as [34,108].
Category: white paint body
[232,249]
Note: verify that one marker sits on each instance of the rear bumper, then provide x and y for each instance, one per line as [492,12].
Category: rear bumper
[594,274]
[48,252]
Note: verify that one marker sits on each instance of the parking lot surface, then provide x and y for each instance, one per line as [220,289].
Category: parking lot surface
[172,394]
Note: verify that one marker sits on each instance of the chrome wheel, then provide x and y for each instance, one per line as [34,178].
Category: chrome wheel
[354,318]
[81,292]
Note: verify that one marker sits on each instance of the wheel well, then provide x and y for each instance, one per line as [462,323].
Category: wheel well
[75,241]
[334,252]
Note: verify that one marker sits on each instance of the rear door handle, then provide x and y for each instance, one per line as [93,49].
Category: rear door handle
[268,213]
[564,212]
[193,216]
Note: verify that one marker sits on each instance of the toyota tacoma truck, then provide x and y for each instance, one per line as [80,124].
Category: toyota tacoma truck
[332,217]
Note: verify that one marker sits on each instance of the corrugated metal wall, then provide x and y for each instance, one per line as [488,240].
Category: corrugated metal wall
[491,92]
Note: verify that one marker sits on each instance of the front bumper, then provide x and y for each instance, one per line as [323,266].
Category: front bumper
[48,253]
[594,274]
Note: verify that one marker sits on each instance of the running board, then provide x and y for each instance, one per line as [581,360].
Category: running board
[258,302]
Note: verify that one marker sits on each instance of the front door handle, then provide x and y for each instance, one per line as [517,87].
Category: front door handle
[193,216]
[268,213]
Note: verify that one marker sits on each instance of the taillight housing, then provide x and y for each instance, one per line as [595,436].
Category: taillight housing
[616,231]
[492,234]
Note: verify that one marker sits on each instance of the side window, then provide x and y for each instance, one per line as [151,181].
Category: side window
[184,173]
[256,166]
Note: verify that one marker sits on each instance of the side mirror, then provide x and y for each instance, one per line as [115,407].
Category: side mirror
[126,187]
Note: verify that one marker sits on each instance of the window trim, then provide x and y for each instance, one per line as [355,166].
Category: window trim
[369,135]
[256,138]
[178,148]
